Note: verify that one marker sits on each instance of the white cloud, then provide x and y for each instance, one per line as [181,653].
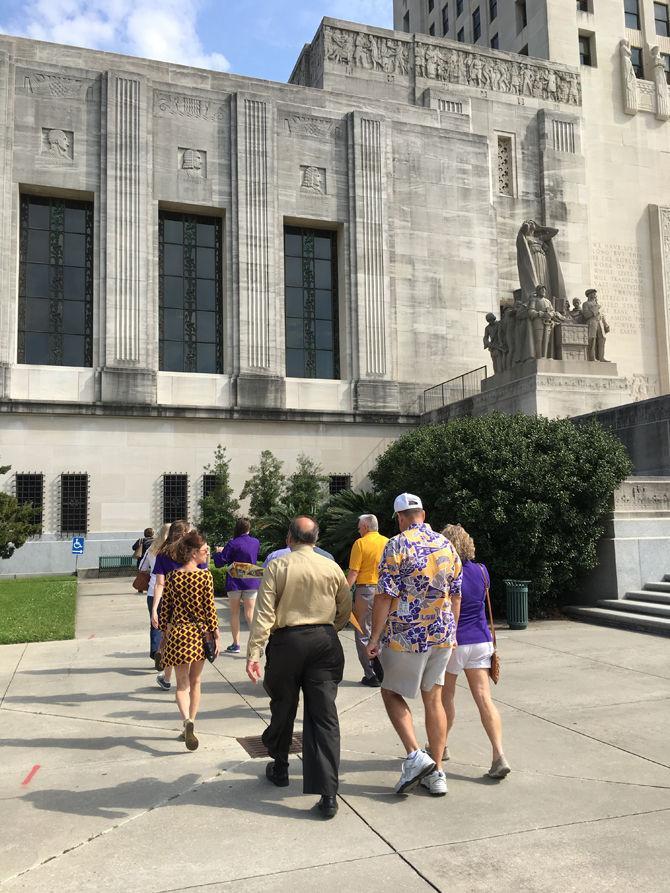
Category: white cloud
[165,30]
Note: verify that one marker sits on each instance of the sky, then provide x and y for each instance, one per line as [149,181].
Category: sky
[259,38]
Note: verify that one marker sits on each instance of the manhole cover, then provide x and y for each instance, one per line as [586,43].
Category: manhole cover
[255,748]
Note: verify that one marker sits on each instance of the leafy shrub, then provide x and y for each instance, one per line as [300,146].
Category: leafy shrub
[219,575]
[339,521]
[532,492]
[219,508]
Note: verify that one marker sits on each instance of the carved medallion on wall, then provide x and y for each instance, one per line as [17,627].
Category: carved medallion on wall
[57,144]
[313,179]
[192,163]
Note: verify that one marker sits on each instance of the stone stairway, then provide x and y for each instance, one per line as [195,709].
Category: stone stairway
[646,609]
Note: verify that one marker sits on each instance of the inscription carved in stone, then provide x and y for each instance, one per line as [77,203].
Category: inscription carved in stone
[177,105]
[313,179]
[58,143]
[619,275]
[309,125]
[41,84]
[192,163]
[453,66]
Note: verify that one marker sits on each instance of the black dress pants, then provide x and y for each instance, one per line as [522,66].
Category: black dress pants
[311,658]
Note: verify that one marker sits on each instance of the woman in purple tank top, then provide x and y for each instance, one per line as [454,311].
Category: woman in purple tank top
[474,649]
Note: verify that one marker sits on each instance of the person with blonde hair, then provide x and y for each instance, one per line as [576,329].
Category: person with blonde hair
[187,613]
[474,650]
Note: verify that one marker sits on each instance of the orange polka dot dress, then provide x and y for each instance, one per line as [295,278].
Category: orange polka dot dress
[188,608]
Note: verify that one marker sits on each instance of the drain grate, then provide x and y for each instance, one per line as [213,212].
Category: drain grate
[255,748]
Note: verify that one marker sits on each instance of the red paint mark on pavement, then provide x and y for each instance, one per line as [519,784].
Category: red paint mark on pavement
[29,777]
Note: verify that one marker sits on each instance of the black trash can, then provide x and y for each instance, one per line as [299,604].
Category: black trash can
[517,603]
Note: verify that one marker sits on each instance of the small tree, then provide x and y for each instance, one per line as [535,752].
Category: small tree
[17,522]
[532,492]
[306,488]
[265,486]
[219,508]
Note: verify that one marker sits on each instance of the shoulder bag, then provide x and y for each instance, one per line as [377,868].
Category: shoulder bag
[494,669]
[208,642]
[141,581]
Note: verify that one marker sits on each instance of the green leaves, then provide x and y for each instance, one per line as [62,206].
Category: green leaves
[16,522]
[533,492]
[219,508]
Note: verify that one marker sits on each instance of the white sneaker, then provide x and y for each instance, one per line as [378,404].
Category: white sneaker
[414,768]
[162,681]
[436,783]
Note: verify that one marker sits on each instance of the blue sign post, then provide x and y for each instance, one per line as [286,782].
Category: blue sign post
[78,543]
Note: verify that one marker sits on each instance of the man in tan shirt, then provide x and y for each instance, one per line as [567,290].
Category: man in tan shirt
[303,600]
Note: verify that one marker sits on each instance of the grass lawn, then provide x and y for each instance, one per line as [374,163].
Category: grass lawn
[37,610]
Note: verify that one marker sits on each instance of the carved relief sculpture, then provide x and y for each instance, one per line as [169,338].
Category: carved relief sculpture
[313,179]
[506,337]
[597,325]
[57,143]
[192,163]
[543,319]
[538,263]
[41,84]
[628,79]
[660,79]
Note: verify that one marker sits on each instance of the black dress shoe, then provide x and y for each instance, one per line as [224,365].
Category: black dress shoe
[278,778]
[370,681]
[327,806]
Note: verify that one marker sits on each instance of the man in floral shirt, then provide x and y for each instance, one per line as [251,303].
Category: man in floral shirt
[414,617]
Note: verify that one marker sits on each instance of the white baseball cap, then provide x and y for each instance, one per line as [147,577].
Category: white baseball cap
[406,501]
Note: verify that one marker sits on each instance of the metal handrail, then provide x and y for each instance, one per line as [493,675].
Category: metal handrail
[466,385]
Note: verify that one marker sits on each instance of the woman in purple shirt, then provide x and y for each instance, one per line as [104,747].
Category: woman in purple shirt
[474,649]
[243,548]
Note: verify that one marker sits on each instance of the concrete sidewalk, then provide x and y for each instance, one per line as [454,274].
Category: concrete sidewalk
[117,804]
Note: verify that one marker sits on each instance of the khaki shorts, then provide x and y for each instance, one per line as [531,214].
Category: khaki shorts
[407,673]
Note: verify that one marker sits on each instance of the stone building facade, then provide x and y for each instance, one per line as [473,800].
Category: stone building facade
[192,258]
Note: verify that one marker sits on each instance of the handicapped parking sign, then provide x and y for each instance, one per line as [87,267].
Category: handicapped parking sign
[78,545]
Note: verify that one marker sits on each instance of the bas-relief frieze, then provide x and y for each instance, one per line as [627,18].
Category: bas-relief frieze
[313,179]
[312,126]
[619,275]
[40,83]
[179,105]
[391,56]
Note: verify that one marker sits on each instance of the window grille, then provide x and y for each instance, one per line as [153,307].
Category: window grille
[563,133]
[55,326]
[30,491]
[505,166]
[73,503]
[208,484]
[175,497]
[190,293]
[311,305]
[450,105]
[338,482]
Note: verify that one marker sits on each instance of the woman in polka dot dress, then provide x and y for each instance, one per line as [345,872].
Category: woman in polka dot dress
[187,610]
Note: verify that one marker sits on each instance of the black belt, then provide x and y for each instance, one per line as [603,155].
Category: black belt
[283,629]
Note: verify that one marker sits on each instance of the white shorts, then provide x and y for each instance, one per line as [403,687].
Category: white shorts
[470,657]
[407,673]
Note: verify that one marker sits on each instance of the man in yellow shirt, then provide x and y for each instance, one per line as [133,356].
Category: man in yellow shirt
[366,554]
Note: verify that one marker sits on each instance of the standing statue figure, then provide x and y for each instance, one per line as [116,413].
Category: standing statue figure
[492,342]
[628,79]
[660,79]
[542,323]
[598,328]
[523,315]
[538,263]
[506,336]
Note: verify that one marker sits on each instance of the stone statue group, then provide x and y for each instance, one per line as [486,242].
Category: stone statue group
[534,326]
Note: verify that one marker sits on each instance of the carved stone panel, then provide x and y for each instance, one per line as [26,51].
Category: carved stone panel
[192,163]
[40,83]
[313,179]
[178,105]
[312,126]
[57,144]
[474,68]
